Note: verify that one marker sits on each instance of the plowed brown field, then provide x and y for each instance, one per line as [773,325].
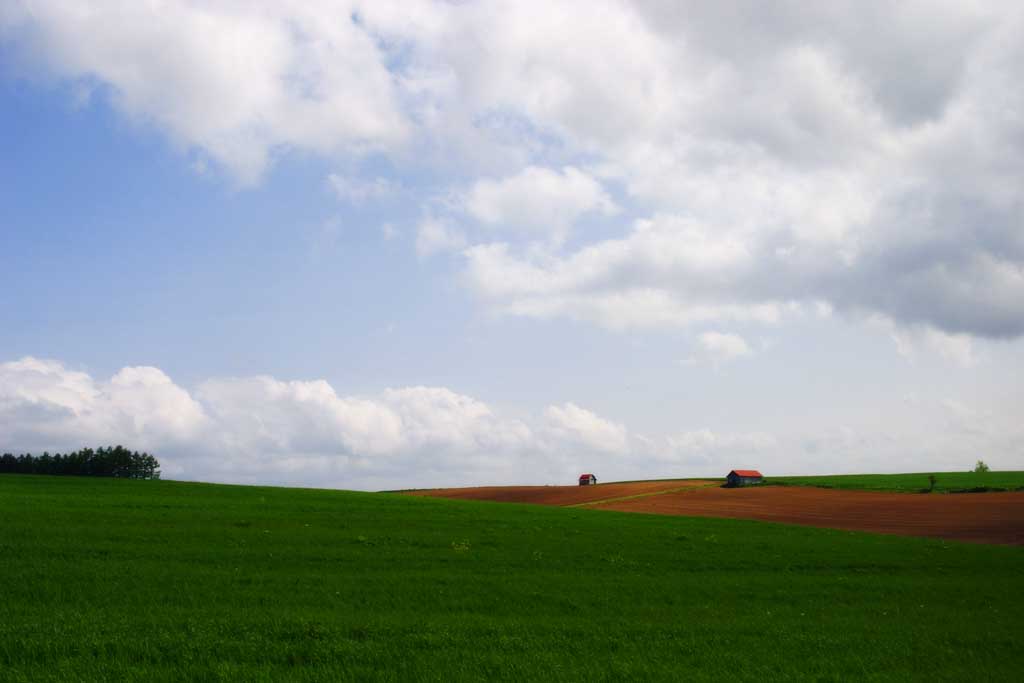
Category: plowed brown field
[558,495]
[977,517]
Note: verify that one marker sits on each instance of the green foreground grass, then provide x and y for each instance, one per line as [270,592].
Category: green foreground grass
[945,482]
[160,580]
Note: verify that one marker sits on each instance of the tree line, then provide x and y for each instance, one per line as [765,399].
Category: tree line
[112,461]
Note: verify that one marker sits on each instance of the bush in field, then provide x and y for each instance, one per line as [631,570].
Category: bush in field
[931,482]
[113,461]
[981,467]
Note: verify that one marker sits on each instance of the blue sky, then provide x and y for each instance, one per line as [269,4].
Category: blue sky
[373,245]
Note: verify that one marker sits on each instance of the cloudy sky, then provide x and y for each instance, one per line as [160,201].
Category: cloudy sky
[401,244]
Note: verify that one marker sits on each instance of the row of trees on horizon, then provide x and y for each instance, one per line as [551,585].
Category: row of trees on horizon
[112,461]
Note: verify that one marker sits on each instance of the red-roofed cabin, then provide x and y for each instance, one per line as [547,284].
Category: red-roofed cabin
[587,479]
[743,478]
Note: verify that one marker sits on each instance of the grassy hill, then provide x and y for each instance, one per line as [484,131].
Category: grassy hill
[161,580]
[945,482]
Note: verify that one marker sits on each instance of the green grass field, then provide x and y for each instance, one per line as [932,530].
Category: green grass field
[945,482]
[159,580]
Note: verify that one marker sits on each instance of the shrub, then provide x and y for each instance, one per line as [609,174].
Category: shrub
[981,467]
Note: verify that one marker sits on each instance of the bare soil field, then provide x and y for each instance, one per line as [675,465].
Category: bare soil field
[558,495]
[980,518]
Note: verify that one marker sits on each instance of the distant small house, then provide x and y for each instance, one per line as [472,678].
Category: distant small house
[742,478]
[587,479]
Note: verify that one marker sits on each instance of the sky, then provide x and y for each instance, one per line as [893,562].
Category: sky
[378,245]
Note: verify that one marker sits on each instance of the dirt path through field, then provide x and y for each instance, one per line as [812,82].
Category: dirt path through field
[634,496]
[978,517]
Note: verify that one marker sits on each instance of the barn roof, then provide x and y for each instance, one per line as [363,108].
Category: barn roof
[746,473]
[586,476]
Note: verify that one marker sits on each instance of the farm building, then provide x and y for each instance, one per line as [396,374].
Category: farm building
[587,479]
[743,478]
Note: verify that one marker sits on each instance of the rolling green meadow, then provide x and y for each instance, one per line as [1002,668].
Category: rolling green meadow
[109,579]
[945,482]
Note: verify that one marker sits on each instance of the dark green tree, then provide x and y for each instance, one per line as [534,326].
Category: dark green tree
[112,461]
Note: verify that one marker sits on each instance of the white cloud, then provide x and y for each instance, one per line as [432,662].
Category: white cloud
[268,415]
[831,155]
[569,422]
[265,430]
[45,405]
[438,418]
[444,428]
[240,81]
[538,201]
[437,235]
[606,76]
[958,348]
[157,407]
[356,190]
[704,447]
[668,272]
[261,429]
[721,347]
[852,161]
[914,341]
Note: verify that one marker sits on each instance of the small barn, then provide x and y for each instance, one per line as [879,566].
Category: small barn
[587,479]
[742,478]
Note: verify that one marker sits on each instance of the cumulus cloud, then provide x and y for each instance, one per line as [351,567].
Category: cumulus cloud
[435,417]
[437,235]
[269,415]
[537,201]
[262,429]
[719,347]
[787,157]
[265,430]
[239,81]
[783,157]
[573,423]
[668,272]
[46,405]
[724,346]
[912,341]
